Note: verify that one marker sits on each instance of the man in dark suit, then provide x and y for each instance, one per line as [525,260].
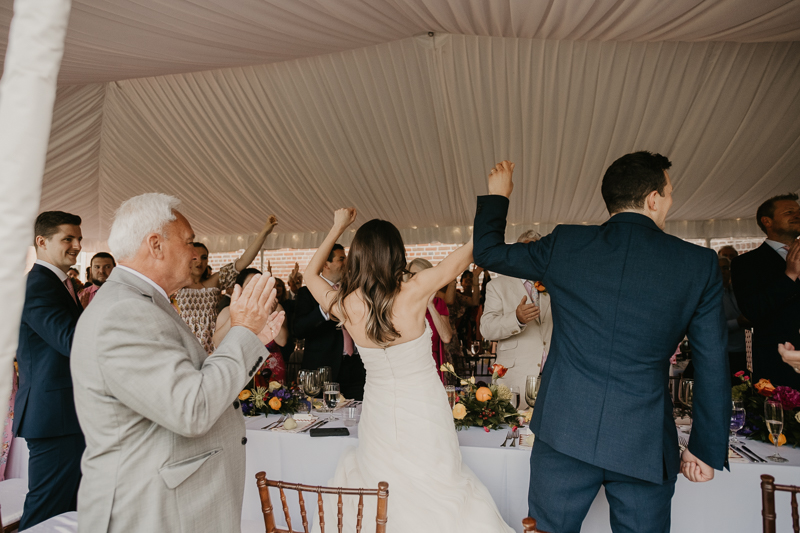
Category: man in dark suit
[767,288]
[45,410]
[603,415]
[326,343]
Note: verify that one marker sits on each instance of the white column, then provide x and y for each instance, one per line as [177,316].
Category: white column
[27,94]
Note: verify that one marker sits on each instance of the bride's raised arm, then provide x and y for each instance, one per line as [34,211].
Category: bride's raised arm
[320,289]
[430,280]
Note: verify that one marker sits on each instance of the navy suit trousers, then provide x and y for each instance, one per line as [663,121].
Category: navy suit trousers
[54,473]
[563,488]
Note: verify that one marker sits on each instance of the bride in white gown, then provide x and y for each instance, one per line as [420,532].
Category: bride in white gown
[406,433]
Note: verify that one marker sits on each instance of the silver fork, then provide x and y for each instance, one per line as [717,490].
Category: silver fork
[508,436]
[514,437]
[274,424]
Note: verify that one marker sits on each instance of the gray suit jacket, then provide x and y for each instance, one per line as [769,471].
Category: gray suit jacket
[164,435]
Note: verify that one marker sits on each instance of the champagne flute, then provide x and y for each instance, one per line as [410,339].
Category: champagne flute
[532,389]
[773,415]
[330,398]
[737,420]
[451,395]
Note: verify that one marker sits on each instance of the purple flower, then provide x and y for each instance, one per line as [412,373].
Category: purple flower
[789,398]
[247,408]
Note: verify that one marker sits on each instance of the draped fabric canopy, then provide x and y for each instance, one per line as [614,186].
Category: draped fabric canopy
[247,108]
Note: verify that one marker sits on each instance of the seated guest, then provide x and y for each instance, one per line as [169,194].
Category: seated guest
[437,317]
[767,288]
[737,350]
[198,301]
[165,437]
[728,252]
[102,264]
[518,315]
[327,344]
[45,410]
[274,369]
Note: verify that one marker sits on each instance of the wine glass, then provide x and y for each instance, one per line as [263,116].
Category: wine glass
[773,415]
[325,374]
[514,397]
[737,420]
[475,348]
[532,389]
[309,382]
[330,399]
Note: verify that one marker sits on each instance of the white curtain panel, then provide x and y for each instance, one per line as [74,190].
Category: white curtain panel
[408,130]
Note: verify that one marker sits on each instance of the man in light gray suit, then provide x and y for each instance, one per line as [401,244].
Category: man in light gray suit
[164,433]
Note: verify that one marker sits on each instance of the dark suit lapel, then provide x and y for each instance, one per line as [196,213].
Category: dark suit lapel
[58,287]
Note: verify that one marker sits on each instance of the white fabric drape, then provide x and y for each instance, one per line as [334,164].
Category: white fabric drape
[27,93]
[407,131]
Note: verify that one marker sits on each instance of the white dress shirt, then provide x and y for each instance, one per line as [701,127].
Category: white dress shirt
[778,247]
[148,280]
[57,271]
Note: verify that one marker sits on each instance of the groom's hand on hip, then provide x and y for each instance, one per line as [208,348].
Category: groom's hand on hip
[500,179]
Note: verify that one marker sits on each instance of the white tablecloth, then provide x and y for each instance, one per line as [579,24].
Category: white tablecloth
[730,503]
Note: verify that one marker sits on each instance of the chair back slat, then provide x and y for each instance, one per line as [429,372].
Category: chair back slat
[340,514]
[303,510]
[286,509]
[382,493]
[768,488]
[360,512]
[321,512]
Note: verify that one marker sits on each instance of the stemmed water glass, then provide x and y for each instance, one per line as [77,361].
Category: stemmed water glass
[514,396]
[330,398]
[532,389]
[773,415]
[309,382]
[737,420]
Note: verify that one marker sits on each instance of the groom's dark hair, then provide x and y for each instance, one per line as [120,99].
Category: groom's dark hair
[631,178]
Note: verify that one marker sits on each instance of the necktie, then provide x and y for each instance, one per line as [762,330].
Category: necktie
[71,289]
[348,340]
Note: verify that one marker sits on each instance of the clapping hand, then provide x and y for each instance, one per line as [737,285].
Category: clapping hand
[253,308]
[694,469]
[527,312]
[790,356]
[344,217]
[500,179]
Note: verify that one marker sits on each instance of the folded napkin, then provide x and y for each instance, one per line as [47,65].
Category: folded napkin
[342,403]
[526,438]
[303,421]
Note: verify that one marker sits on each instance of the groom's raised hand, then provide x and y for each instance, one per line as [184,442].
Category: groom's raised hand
[500,179]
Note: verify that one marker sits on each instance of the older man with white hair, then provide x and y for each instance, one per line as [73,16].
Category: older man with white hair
[164,433]
[517,315]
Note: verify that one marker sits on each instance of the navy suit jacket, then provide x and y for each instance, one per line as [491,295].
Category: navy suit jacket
[44,404]
[771,301]
[623,296]
[324,340]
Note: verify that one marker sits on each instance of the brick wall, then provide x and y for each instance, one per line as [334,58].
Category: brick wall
[283,260]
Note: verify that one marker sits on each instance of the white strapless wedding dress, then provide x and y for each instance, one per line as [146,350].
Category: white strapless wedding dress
[407,438]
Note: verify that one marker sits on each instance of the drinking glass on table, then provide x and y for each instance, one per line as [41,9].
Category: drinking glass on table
[325,374]
[532,389]
[737,420]
[514,397]
[309,382]
[773,416]
[330,399]
[451,394]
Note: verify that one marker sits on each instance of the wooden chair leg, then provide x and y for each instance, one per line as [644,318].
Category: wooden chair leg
[266,503]
[383,504]
[529,525]
[768,503]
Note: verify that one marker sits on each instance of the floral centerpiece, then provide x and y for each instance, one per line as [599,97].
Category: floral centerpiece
[754,395]
[275,398]
[488,407]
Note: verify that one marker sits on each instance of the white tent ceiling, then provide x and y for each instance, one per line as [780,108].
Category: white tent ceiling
[295,107]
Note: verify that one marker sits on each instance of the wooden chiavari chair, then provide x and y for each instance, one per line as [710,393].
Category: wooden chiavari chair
[529,525]
[382,492]
[768,488]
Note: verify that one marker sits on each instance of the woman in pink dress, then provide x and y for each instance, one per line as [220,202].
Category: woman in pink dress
[197,303]
[437,317]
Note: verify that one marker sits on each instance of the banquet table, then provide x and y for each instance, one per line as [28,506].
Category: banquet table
[731,502]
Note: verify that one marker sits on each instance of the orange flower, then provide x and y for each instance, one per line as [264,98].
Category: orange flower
[764,387]
[539,287]
[500,370]
[245,394]
[483,394]
[459,411]
[275,403]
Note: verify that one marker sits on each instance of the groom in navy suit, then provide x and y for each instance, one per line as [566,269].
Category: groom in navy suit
[603,415]
[45,410]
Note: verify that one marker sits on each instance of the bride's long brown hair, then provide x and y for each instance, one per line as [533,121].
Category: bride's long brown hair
[375,264]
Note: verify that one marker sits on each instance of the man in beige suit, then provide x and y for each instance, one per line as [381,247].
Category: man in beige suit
[164,433]
[518,316]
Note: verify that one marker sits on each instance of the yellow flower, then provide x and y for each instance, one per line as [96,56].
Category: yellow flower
[275,403]
[459,411]
[274,385]
[245,394]
[447,367]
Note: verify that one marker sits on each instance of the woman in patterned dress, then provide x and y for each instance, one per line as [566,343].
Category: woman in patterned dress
[197,303]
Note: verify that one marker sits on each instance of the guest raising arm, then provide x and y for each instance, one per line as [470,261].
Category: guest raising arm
[197,302]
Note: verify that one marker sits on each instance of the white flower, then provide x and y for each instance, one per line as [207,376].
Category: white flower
[274,385]
[464,382]
[503,392]
[472,380]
